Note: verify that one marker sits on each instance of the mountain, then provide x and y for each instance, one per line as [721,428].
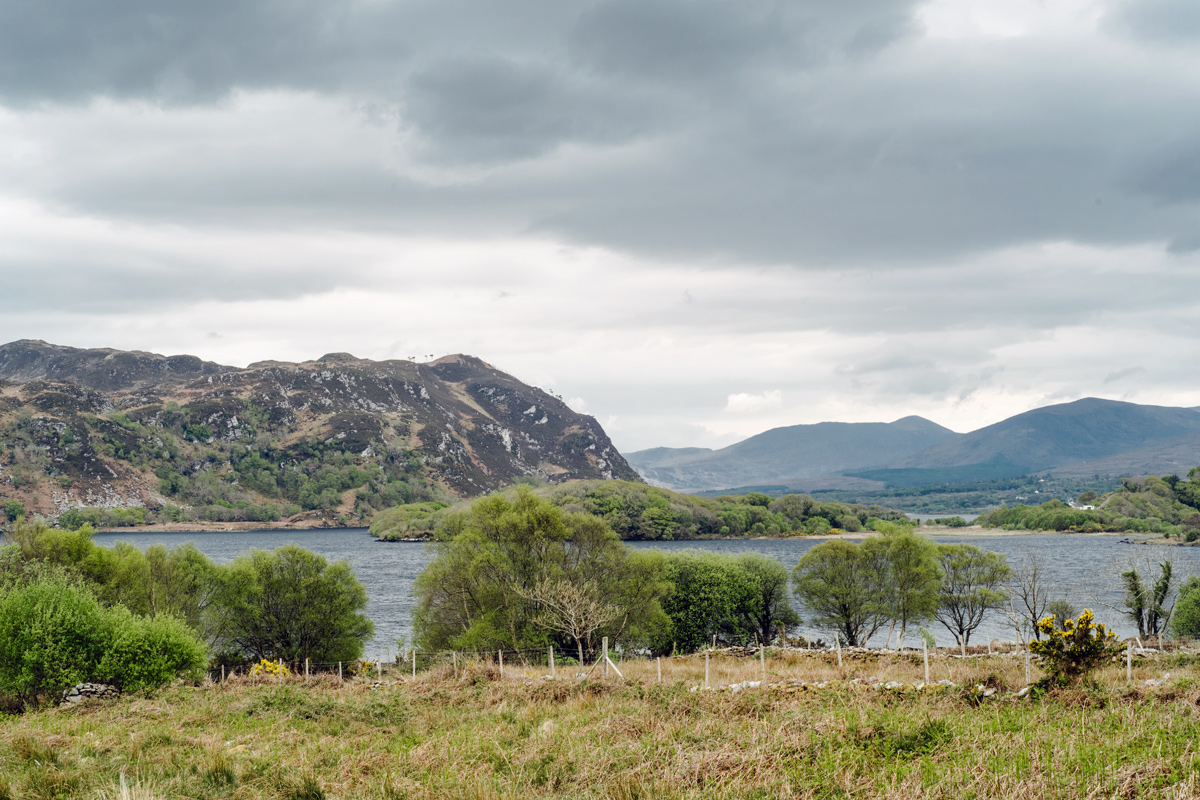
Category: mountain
[1066,434]
[337,434]
[1072,440]
[780,455]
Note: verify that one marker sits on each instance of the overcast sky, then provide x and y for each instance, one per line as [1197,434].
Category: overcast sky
[695,220]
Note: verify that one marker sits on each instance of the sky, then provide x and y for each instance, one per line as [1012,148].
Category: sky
[694,220]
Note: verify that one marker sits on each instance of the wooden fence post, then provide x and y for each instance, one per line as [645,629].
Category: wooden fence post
[413,653]
[1128,663]
[552,673]
[1028,677]
[762,661]
[340,672]
[500,659]
[222,673]
[925,652]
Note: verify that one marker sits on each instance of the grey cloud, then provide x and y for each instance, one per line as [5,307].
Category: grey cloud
[1172,22]
[179,51]
[704,42]
[813,133]
[490,108]
[1121,374]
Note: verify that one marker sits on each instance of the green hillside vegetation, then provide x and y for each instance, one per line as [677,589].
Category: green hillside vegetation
[1158,505]
[639,512]
[204,478]
[970,498]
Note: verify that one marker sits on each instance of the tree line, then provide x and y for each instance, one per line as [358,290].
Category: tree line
[521,573]
[73,611]
[639,512]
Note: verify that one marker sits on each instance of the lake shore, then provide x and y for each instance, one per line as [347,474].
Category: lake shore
[972,531]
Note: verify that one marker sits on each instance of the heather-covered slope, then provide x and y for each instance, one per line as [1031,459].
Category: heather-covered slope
[338,435]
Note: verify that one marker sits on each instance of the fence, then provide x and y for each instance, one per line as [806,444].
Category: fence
[607,664]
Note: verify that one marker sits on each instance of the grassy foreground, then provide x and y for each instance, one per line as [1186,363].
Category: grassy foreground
[524,736]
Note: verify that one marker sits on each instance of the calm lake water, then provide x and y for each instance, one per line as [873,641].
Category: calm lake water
[1084,569]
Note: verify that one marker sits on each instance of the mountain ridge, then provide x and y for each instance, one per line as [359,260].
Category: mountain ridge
[1078,438]
[110,427]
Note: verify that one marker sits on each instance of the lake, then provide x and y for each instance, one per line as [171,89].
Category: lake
[1084,569]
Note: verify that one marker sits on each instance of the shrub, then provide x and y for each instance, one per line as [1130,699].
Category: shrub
[13,510]
[52,636]
[147,652]
[1070,653]
[265,666]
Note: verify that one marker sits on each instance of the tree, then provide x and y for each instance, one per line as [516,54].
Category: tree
[971,587]
[569,609]
[771,608]
[912,576]
[1185,621]
[1146,606]
[475,593]
[843,588]
[290,604]
[1028,597]
[712,594]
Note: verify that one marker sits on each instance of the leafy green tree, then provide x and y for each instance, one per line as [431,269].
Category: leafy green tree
[972,582]
[772,608]
[290,604]
[913,578]
[474,594]
[844,588]
[1185,621]
[712,595]
[1059,611]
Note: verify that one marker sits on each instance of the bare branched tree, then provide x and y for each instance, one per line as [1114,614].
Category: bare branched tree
[570,609]
[1029,593]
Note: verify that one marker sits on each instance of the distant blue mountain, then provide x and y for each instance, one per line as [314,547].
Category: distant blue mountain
[1083,438]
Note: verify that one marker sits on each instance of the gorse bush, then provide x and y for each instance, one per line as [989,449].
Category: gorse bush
[1069,653]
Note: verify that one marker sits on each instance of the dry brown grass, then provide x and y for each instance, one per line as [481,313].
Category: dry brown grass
[525,736]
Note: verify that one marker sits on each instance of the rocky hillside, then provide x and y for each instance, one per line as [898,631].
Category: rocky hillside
[338,436]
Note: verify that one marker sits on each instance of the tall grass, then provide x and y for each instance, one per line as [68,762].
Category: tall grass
[525,736]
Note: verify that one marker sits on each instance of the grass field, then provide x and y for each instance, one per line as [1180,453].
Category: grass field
[480,737]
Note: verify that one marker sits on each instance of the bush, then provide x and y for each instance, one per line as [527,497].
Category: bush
[1185,621]
[52,636]
[291,604]
[147,652]
[13,510]
[1070,653]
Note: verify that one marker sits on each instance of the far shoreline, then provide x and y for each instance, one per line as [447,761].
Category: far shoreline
[969,532]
